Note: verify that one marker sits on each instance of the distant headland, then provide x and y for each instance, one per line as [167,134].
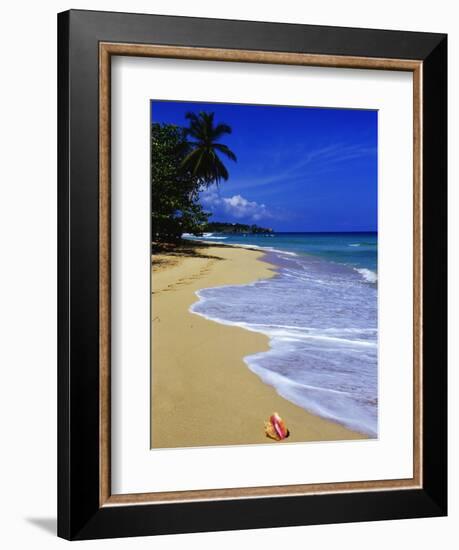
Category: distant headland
[237,228]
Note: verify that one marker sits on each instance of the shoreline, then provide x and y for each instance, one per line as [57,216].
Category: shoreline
[203,393]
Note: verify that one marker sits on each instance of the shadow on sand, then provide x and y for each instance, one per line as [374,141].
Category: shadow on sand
[184,249]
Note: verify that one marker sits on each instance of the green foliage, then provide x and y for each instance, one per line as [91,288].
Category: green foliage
[223,227]
[175,190]
[183,161]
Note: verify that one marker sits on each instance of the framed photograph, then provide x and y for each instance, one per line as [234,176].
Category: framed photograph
[252,275]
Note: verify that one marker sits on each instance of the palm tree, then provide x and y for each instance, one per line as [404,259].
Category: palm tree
[202,158]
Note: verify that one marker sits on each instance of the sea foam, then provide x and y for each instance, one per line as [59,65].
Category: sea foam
[321,322]
[368,275]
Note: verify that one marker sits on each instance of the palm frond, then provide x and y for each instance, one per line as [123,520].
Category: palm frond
[202,160]
[221,170]
[225,150]
[220,130]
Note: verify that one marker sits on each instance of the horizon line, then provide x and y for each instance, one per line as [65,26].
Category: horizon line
[299,231]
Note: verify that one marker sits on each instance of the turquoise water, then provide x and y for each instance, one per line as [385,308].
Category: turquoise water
[320,314]
[354,249]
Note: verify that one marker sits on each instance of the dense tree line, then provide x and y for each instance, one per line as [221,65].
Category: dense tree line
[223,227]
[183,162]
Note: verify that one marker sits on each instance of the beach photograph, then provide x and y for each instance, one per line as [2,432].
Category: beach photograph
[264,276]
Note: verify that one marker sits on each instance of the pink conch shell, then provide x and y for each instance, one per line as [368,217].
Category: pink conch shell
[275,428]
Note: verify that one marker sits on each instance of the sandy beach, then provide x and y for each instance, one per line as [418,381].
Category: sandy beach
[203,394]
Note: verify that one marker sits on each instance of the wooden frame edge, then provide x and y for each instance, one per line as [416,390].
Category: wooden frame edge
[417,274]
[257,56]
[104,276]
[106,50]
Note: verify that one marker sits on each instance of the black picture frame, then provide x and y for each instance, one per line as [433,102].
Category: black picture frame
[80,515]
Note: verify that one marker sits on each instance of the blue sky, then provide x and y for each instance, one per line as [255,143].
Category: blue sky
[297,169]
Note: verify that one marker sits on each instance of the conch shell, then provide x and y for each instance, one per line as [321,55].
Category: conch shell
[275,428]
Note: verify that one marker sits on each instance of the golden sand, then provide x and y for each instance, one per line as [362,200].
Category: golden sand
[202,391]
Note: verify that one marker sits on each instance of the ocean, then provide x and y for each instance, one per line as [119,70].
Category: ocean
[320,314]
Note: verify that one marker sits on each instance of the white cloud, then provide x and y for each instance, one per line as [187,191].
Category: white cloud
[240,207]
[210,197]
[236,206]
